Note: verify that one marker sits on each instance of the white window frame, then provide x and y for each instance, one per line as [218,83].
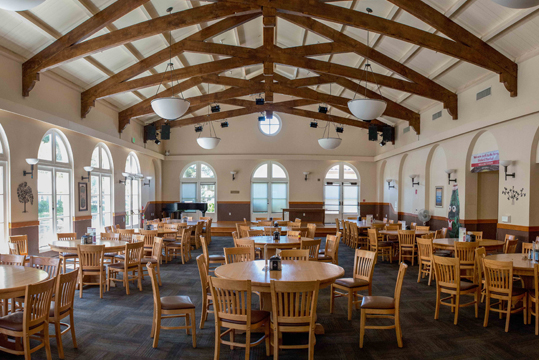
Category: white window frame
[4,162]
[55,167]
[134,177]
[100,173]
[199,181]
[269,180]
[278,131]
[341,181]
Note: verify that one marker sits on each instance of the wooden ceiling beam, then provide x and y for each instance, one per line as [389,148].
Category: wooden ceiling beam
[507,68]
[31,67]
[268,32]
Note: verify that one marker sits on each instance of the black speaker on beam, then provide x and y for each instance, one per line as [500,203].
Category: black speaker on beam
[387,133]
[150,132]
[165,132]
[373,133]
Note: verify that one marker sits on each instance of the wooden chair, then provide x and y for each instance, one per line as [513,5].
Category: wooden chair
[131,264]
[302,255]
[149,236]
[108,229]
[311,231]
[478,235]
[338,225]
[424,258]
[361,280]
[385,221]
[91,259]
[15,260]
[533,299]
[448,281]
[393,227]
[510,246]
[184,245]
[250,244]
[527,248]
[313,246]
[413,225]
[261,218]
[294,311]
[170,307]
[32,322]
[480,254]
[239,254]
[65,256]
[268,231]
[195,236]
[282,223]
[443,233]
[20,243]
[294,233]
[438,234]
[383,307]
[126,234]
[422,228]
[265,223]
[62,308]
[211,259]
[428,236]
[243,230]
[347,233]
[207,299]
[232,310]
[391,221]
[331,251]
[407,245]
[354,235]
[47,264]
[255,233]
[465,252]
[207,228]
[154,258]
[380,248]
[499,286]
[111,257]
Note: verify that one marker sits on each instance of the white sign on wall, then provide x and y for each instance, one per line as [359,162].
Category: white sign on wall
[488,161]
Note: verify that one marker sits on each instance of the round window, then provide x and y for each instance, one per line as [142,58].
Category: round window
[271,126]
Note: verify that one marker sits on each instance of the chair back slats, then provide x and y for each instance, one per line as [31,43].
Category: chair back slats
[268,231]
[422,228]
[398,285]
[231,299]
[438,234]
[354,234]
[66,236]
[447,272]
[478,235]
[205,251]
[373,239]
[133,253]
[203,272]
[244,230]
[332,245]
[155,286]
[465,252]
[245,243]
[337,224]
[110,236]
[109,229]
[347,230]
[480,254]
[511,246]
[294,302]
[20,243]
[444,233]
[407,238]
[428,236]
[157,250]
[364,264]
[295,254]
[136,238]
[526,248]
[239,254]
[126,234]
[498,276]
[311,230]
[313,246]
[91,257]
[65,292]
[255,233]
[50,265]
[235,237]
[424,249]
[16,260]
[170,227]
[149,236]
[37,303]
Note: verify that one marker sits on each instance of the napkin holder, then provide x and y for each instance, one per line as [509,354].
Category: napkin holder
[275,263]
[86,240]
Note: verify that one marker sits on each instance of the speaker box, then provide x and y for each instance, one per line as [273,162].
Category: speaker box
[373,133]
[165,132]
[388,134]
[150,132]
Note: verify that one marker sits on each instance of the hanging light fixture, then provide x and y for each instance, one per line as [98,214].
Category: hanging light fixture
[208,142]
[367,109]
[170,108]
[19,5]
[329,143]
[517,4]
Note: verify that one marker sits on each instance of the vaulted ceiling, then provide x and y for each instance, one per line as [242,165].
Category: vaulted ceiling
[297,53]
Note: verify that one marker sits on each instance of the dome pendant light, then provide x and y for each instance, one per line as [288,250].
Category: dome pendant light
[367,109]
[170,108]
[208,142]
[329,143]
[517,4]
[19,5]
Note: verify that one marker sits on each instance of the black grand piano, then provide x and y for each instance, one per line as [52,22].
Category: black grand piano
[174,210]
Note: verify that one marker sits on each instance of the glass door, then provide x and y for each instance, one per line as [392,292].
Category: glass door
[207,195]
[260,204]
[350,203]
[101,202]
[332,201]
[278,199]
[132,203]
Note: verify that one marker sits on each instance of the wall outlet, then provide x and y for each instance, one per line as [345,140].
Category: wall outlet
[506,219]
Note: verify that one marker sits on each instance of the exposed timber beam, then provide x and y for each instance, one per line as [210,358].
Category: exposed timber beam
[269,23]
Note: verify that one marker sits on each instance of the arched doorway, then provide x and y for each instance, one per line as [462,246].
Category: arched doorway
[269,190]
[54,187]
[198,184]
[101,189]
[341,192]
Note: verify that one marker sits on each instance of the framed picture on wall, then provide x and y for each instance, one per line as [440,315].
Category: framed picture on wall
[83,196]
[439,196]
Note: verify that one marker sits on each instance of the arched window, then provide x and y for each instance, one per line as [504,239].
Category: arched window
[4,191]
[198,184]
[132,191]
[54,187]
[341,192]
[101,189]
[269,190]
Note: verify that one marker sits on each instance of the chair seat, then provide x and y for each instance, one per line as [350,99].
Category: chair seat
[385,243]
[351,282]
[516,292]
[120,256]
[256,317]
[378,302]
[217,258]
[146,260]
[119,266]
[322,251]
[442,253]
[322,257]
[110,254]
[65,254]
[464,285]
[13,322]
[176,302]
[51,313]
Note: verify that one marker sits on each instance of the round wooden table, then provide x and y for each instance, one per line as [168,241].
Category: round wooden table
[291,271]
[284,229]
[71,246]
[285,242]
[13,280]
[521,264]
[396,232]
[449,244]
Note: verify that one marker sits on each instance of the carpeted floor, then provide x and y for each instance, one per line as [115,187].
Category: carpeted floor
[118,326]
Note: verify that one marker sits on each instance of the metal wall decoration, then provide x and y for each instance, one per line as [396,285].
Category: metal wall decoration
[25,195]
[83,196]
[513,194]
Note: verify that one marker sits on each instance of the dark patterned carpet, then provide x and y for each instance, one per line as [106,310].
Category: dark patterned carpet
[118,326]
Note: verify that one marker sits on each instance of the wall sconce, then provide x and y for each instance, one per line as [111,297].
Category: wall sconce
[306,173]
[413,176]
[449,172]
[30,162]
[149,178]
[505,164]
[89,169]
[125,175]
[389,186]
[233,173]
